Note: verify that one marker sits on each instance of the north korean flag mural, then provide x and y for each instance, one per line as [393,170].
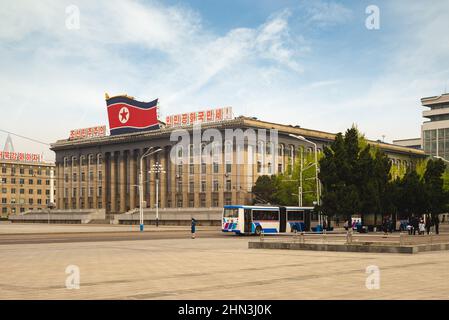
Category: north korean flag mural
[127,115]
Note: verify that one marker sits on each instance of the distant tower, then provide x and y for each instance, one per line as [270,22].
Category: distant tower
[9,147]
[383,138]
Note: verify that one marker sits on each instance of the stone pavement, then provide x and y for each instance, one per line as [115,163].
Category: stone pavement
[221,268]
[16,228]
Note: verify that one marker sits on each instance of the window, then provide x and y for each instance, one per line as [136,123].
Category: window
[13,170]
[228,185]
[39,201]
[295,215]
[215,185]
[83,176]
[39,171]
[13,180]
[259,167]
[22,191]
[30,181]
[203,168]
[30,191]
[280,167]
[191,187]
[231,213]
[3,169]
[13,190]
[39,191]
[91,176]
[5,210]
[30,172]
[4,180]
[100,191]
[21,181]
[203,186]
[228,167]
[192,168]
[47,182]
[215,167]
[269,168]
[4,200]
[22,171]
[179,169]
[265,215]
[4,190]
[30,201]
[179,186]
[39,181]
[74,177]
[100,175]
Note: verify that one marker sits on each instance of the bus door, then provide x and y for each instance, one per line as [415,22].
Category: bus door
[307,217]
[248,220]
[282,219]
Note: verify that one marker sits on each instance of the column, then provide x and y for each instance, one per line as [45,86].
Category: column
[86,182]
[172,168]
[132,179]
[220,176]
[113,186]
[94,182]
[122,182]
[104,193]
[60,186]
[144,172]
[163,179]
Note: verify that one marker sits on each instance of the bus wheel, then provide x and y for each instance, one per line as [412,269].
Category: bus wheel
[258,230]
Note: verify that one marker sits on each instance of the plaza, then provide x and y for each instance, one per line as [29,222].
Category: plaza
[217,267]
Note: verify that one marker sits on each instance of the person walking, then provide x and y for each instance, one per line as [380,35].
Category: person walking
[436,222]
[422,227]
[428,224]
[193,228]
[415,225]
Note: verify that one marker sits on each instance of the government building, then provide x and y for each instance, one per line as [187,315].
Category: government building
[26,183]
[103,172]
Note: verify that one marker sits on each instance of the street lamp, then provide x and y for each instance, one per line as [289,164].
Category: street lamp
[157,169]
[149,152]
[316,167]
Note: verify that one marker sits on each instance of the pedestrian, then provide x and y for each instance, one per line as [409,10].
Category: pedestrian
[385,226]
[428,224]
[337,221]
[193,228]
[436,222]
[346,225]
[415,225]
[422,227]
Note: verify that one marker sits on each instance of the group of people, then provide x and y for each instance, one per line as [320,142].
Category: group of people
[423,224]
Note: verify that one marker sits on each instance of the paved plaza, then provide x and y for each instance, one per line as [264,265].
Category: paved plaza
[213,268]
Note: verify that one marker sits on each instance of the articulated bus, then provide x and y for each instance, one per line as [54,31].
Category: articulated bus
[269,219]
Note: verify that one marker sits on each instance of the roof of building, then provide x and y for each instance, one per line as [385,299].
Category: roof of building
[435,100]
[28,163]
[239,122]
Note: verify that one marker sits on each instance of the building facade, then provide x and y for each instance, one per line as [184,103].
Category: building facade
[25,186]
[103,172]
[435,131]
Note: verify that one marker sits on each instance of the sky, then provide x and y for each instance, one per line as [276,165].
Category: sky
[308,63]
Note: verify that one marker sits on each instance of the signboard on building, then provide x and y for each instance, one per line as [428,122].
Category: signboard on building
[198,117]
[86,133]
[20,156]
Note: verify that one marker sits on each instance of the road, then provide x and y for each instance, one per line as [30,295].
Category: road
[35,238]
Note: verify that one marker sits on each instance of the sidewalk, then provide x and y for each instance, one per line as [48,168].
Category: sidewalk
[64,228]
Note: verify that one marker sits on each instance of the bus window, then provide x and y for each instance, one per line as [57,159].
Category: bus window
[265,215]
[314,216]
[231,213]
[294,215]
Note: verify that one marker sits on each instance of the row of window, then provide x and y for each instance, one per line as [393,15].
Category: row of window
[22,191]
[22,201]
[83,176]
[22,181]
[14,210]
[31,171]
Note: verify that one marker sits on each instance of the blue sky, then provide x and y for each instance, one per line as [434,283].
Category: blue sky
[307,63]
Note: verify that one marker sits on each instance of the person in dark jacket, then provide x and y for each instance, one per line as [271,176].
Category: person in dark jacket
[436,222]
[193,228]
[415,224]
[428,224]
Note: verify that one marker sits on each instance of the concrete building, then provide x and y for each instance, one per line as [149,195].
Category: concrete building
[435,131]
[414,143]
[102,172]
[25,186]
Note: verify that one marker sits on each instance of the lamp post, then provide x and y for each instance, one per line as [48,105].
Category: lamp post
[316,168]
[146,154]
[157,169]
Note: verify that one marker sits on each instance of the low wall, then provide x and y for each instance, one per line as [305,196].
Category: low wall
[173,216]
[59,216]
[349,247]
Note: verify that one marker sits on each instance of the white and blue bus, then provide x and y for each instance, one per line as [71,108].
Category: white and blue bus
[242,219]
